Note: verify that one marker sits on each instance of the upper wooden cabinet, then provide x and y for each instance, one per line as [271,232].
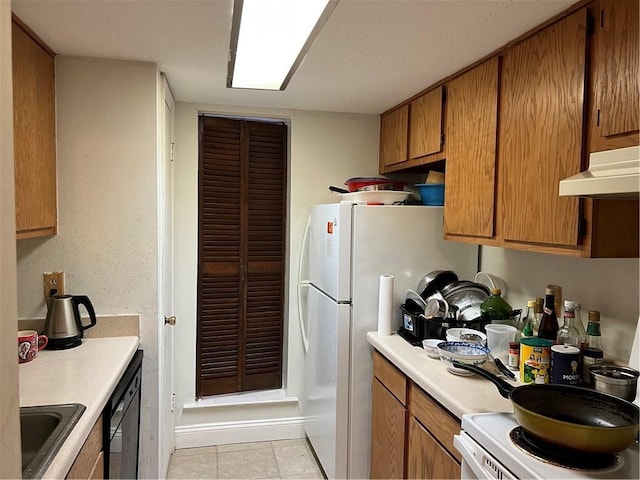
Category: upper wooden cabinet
[394,128]
[472,115]
[425,124]
[614,117]
[34,134]
[540,132]
[527,117]
[412,134]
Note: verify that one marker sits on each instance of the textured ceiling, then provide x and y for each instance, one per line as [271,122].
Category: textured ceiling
[371,54]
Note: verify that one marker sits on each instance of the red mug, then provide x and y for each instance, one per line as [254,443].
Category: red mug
[29,342]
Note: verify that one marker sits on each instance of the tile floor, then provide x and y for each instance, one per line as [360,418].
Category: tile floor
[284,459]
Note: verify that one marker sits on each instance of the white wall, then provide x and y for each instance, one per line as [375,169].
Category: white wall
[107,240]
[610,286]
[9,396]
[324,149]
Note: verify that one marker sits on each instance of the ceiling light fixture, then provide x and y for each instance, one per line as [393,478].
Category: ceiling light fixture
[270,38]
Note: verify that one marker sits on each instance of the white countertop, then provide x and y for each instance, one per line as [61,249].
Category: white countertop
[457,394]
[87,374]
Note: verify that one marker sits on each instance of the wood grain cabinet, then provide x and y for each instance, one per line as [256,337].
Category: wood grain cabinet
[394,128]
[472,115]
[89,464]
[540,134]
[388,420]
[426,136]
[430,450]
[502,178]
[411,434]
[615,69]
[413,134]
[527,117]
[34,134]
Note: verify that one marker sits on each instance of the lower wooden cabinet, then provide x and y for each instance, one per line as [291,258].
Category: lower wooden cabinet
[411,433]
[89,464]
[388,419]
[426,458]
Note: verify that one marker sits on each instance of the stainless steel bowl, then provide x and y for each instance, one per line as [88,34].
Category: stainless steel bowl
[435,281]
[619,381]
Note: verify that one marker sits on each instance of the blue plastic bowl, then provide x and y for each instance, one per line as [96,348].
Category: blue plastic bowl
[431,193]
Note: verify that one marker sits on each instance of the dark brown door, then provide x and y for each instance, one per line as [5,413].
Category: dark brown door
[241,222]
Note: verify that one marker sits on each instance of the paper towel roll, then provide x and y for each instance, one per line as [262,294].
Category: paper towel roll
[385,305]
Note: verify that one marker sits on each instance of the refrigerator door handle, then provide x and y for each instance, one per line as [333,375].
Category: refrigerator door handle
[303,283]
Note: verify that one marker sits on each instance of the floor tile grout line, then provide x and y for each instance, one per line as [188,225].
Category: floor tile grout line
[275,457]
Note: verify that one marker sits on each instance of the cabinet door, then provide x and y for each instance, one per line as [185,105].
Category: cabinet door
[472,115]
[425,124]
[388,417]
[616,71]
[394,127]
[34,136]
[540,133]
[426,458]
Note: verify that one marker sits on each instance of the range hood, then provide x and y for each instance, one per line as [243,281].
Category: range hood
[611,174]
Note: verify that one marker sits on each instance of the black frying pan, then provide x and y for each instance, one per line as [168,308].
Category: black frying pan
[570,416]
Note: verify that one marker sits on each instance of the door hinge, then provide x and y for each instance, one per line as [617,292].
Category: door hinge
[598,118]
[173,402]
[442,139]
[173,151]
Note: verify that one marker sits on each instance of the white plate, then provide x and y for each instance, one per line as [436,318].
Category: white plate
[459,371]
[386,197]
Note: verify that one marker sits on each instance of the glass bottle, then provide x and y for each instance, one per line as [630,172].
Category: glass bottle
[529,320]
[538,316]
[549,323]
[495,309]
[568,334]
[577,310]
[594,339]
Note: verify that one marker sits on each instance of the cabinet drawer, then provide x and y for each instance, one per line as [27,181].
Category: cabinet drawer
[440,423]
[390,377]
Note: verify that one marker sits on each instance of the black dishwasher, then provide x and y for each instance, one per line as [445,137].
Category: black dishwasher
[121,423]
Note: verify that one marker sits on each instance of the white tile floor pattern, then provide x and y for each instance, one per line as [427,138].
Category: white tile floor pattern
[281,459]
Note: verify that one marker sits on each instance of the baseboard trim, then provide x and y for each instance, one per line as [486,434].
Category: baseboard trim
[190,436]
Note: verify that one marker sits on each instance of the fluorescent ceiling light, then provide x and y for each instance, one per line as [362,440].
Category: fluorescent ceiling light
[269,39]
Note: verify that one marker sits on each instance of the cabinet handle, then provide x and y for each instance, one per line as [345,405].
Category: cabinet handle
[170,320]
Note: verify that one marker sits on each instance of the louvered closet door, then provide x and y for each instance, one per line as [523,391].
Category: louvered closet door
[241,257]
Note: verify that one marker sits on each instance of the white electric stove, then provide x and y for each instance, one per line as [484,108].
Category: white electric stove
[488,451]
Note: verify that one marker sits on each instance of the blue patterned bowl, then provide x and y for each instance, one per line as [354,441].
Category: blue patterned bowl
[463,352]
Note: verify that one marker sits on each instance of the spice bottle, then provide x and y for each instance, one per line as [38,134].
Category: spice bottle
[549,323]
[594,339]
[514,355]
[495,309]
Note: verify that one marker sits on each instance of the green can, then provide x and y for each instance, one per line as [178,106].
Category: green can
[535,360]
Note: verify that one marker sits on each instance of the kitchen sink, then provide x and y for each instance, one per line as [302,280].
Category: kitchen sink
[43,430]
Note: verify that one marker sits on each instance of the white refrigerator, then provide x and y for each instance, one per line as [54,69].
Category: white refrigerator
[346,249]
